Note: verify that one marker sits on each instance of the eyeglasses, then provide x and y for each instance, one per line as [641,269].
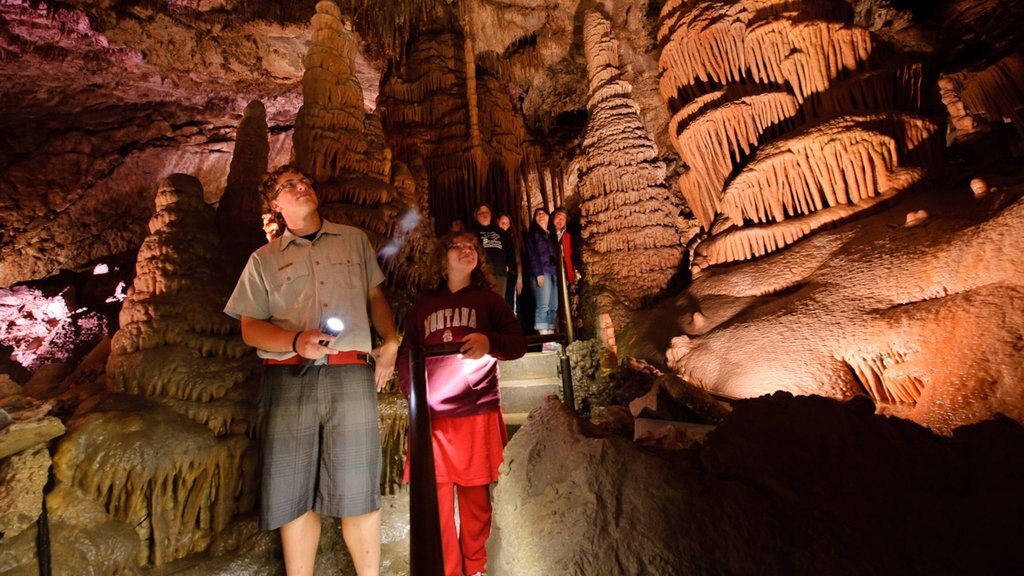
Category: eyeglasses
[460,247]
[293,184]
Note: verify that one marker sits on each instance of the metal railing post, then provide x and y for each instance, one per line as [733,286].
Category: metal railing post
[565,290]
[426,555]
[568,396]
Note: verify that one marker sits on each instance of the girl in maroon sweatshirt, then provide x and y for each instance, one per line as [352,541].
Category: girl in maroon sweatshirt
[468,432]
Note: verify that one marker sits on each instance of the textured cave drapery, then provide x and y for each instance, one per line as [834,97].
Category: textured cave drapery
[996,92]
[175,345]
[464,130]
[922,319]
[755,88]
[169,478]
[629,221]
[180,464]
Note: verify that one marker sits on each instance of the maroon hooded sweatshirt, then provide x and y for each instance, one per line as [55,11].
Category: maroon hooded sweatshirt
[457,386]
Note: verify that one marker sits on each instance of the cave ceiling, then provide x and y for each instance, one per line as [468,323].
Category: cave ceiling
[102,99]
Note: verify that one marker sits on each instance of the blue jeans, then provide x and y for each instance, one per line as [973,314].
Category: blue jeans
[547,302]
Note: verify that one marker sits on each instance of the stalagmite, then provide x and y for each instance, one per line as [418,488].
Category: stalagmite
[175,345]
[238,213]
[627,216]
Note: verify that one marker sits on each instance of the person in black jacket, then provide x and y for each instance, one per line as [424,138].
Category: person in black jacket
[498,246]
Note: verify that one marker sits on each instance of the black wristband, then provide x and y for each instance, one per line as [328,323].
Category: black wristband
[296,341]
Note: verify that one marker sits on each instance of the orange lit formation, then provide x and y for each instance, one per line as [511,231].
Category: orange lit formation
[777,114]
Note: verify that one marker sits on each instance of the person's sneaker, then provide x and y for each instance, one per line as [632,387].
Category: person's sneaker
[479,574]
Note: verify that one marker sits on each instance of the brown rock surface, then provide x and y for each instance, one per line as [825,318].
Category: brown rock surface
[783,486]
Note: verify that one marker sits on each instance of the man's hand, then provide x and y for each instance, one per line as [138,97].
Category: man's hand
[540,281]
[475,346]
[312,344]
[384,360]
[519,284]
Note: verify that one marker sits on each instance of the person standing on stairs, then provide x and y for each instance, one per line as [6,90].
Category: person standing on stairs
[498,246]
[468,432]
[541,251]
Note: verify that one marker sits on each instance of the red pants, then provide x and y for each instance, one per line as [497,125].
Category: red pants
[465,551]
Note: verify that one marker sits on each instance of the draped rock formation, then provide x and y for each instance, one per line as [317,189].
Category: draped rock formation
[757,89]
[994,94]
[176,483]
[178,464]
[175,345]
[459,123]
[630,227]
[917,308]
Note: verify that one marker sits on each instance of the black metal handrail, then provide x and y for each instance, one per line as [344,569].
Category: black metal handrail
[426,556]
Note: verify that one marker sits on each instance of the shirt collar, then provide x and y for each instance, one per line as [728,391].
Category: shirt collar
[325,228]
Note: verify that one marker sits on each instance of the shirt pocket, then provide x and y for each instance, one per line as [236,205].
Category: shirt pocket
[288,285]
[346,271]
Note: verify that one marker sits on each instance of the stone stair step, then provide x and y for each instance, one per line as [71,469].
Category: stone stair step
[523,398]
[532,365]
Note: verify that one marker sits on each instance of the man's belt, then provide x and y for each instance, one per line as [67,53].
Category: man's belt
[343,357]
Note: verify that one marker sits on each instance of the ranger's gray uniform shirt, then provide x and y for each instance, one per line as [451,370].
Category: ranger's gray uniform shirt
[297,285]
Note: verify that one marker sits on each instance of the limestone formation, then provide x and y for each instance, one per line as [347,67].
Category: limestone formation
[332,129]
[176,483]
[179,466]
[632,237]
[978,98]
[83,540]
[464,130]
[920,318]
[175,345]
[239,210]
[810,477]
[746,81]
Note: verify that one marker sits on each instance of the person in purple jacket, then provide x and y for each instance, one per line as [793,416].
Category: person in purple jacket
[541,251]
[468,431]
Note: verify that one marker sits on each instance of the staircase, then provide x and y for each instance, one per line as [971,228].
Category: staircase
[525,383]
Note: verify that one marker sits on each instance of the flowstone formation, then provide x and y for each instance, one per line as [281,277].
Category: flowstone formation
[784,116]
[917,308]
[169,452]
[634,239]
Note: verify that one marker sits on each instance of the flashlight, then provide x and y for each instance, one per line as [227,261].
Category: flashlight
[332,326]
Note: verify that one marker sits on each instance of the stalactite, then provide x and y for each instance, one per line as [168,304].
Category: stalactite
[997,91]
[627,216]
[742,78]
[460,121]
[734,243]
